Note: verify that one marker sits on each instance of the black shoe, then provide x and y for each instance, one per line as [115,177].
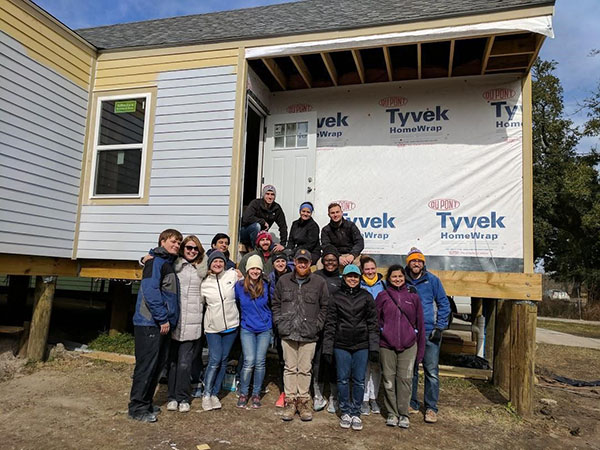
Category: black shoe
[143,417]
[154,410]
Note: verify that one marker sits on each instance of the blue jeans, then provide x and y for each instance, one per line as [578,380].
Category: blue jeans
[254,346]
[248,234]
[351,364]
[219,346]
[432,377]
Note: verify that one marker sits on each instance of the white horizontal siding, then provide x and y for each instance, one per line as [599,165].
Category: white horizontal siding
[42,130]
[191,168]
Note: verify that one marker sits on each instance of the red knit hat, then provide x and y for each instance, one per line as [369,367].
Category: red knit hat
[262,235]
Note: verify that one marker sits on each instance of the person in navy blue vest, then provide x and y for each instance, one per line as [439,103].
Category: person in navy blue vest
[436,311]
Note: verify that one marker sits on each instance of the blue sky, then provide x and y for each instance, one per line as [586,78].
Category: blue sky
[575,24]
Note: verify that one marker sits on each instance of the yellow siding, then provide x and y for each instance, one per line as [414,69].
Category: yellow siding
[137,71]
[46,43]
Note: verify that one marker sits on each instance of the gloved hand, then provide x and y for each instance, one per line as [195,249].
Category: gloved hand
[374,357]
[436,336]
[327,358]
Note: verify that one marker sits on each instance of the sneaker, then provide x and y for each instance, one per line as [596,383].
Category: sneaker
[280,403]
[289,410]
[345,421]
[332,406]
[403,422]
[172,405]
[319,403]
[242,401]
[304,410]
[144,417]
[256,402]
[206,403]
[430,416]
[237,389]
[184,407]
[391,421]
[374,407]
[365,409]
[411,410]
[356,423]
[214,400]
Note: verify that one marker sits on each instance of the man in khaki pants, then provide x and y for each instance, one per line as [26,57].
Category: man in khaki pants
[299,310]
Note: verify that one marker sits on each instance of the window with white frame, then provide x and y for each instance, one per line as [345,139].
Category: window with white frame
[291,135]
[120,146]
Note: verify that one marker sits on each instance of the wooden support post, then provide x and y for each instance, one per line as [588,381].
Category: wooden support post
[489,312]
[522,350]
[502,347]
[17,299]
[24,342]
[40,322]
[120,300]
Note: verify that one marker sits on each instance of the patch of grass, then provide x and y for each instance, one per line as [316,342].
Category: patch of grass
[572,362]
[577,329]
[123,343]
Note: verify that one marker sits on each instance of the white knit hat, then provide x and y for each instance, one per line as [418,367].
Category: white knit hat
[254,262]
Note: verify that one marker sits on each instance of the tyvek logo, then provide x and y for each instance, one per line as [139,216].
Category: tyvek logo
[338,121]
[443,204]
[389,102]
[299,108]
[438,115]
[498,94]
[468,223]
[378,222]
[346,205]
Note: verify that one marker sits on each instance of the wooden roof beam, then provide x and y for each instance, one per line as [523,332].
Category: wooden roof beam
[359,64]
[330,66]
[419,65]
[276,72]
[451,57]
[540,39]
[388,63]
[301,66]
[486,54]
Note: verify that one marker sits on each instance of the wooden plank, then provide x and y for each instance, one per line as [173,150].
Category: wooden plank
[486,54]
[489,310]
[126,270]
[502,347]
[388,63]
[528,257]
[504,285]
[451,57]
[276,72]
[120,301]
[11,329]
[419,65]
[24,341]
[304,72]
[462,372]
[37,265]
[540,41]
[159,60]
[359,64]
[111,357]
[40,321]
[522,356]
[330,66]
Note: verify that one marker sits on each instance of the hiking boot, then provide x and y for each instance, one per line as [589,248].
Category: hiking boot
[289,410]
[255,402]
[304,410]
[206,403]
[332,406]
[375,409]
[184,407]
[242,401]
[411,410]
[172,405]
[356,423]
[280,403]
[403,422]
[345,421]
[430,416]
[391,421]
[214,401]
[143,417]
[319,403]
[365,409]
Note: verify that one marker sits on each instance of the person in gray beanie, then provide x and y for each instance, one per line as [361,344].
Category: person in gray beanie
[260,215]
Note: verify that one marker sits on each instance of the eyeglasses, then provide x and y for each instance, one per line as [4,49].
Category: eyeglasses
[191,248]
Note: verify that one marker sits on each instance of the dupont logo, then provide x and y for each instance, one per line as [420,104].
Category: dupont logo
[393,101]
[299,108]
[346,205]
[443,204]
[498,94]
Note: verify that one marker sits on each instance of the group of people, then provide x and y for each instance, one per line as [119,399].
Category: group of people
[341,328]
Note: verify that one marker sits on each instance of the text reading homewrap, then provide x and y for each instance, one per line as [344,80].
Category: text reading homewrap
[447,220]
[416,118]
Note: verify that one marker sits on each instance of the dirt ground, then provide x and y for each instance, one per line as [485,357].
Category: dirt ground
[75,403]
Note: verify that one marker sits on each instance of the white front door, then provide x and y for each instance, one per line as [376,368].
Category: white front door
[289,160]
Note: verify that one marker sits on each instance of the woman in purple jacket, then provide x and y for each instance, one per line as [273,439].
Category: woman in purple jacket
[402,342]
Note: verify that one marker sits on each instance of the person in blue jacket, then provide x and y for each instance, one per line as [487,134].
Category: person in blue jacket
[156,314]
[252,295]
[436,311]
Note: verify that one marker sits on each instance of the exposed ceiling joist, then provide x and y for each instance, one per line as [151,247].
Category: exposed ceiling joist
[419,65]
[304,72]
[276,72]
[486,54]
[451,57]
[388,63]
[359,64]
[330,67]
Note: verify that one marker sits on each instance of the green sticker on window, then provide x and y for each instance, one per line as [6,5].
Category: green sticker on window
[125,106]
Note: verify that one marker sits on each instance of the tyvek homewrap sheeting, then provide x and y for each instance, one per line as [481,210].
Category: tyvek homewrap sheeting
[541,25]
[432,164]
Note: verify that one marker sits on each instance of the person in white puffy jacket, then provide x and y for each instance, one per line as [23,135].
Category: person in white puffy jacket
[221,323]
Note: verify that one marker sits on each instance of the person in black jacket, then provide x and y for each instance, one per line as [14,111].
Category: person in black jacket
[305,233]
[261,214]
[352,336]
[343,235]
